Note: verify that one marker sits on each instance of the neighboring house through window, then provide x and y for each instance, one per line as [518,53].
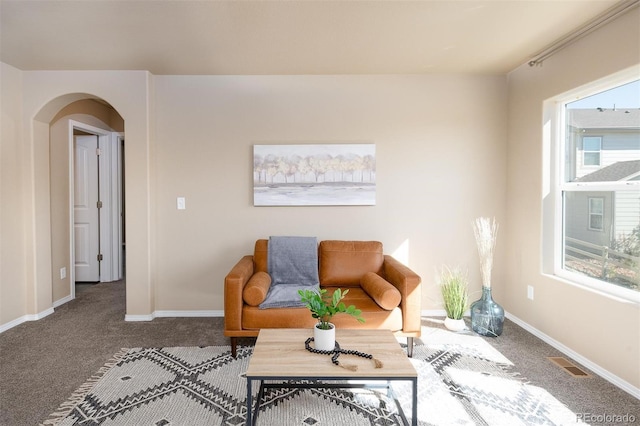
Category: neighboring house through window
[596,213]
[591,146]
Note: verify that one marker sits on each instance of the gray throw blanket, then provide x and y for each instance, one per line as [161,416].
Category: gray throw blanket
[292,263]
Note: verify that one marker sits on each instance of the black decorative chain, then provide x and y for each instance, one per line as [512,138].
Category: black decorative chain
[337,351]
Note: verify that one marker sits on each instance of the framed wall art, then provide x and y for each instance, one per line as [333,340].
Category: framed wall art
[314,175]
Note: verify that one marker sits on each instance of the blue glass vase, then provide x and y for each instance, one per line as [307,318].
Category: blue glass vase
[487,317]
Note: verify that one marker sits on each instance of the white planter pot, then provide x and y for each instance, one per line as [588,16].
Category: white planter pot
[324,340]
[454,325]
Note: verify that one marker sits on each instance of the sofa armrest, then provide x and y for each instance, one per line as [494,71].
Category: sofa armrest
[234,284]
[408,283]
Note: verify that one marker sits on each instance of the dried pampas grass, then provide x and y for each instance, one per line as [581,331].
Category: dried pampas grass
[486,232]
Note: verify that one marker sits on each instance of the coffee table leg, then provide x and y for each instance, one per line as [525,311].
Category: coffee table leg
[252,416]
[249,404]
[414,405]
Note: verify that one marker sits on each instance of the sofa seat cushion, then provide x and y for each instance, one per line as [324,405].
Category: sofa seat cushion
[343,263]
[381,291]
[256,289]
[375,317]
[254,318]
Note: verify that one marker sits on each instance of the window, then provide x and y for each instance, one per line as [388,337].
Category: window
[591,146]
[597,189]
[596,214]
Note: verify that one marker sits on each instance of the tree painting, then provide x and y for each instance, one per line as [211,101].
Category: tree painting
[324,174]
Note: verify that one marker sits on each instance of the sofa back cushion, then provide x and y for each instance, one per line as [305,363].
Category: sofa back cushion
[343,263]
[260,256]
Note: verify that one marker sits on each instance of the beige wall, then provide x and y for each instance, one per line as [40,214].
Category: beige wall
[59,193]
[603,330]
[12,238]
[441,161]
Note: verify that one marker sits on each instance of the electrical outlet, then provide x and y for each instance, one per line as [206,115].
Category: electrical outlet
[530,292]
[63,273]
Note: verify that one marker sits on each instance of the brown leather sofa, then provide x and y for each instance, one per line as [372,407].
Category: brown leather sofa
[387,292]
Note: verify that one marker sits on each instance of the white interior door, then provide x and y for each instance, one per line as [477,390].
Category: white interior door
[86,214]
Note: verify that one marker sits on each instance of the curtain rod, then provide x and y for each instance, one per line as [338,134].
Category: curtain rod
[607,16]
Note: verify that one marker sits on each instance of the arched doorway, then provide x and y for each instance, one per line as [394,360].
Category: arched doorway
[44,95]
[93,119]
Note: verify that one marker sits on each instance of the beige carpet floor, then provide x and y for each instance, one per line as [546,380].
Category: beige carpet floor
[43,362]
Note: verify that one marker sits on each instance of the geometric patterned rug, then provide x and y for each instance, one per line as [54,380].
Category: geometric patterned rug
[462,380]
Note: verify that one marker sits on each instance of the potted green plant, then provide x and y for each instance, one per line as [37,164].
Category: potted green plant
[453,286]
[323,307]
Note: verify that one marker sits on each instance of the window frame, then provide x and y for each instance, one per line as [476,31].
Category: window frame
[554,144]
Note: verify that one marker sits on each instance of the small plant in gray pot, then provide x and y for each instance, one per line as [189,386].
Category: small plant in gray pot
[323,307]
[453,286]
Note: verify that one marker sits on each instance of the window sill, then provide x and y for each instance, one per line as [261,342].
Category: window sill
[610,291]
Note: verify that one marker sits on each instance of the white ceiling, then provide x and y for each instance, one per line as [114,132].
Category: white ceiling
[285,37]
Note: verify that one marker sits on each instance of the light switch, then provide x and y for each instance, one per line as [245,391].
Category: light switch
[181,203]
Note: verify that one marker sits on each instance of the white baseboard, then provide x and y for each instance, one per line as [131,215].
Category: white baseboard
[134,318]
[605,374]
[62,301]
[173,314]
[25,318]
[433,313]
[180,314]
[439,313]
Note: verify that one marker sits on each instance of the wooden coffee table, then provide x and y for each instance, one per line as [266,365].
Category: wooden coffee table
[280,355]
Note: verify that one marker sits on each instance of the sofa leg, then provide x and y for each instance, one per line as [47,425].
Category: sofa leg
[234,343]
[410,347]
